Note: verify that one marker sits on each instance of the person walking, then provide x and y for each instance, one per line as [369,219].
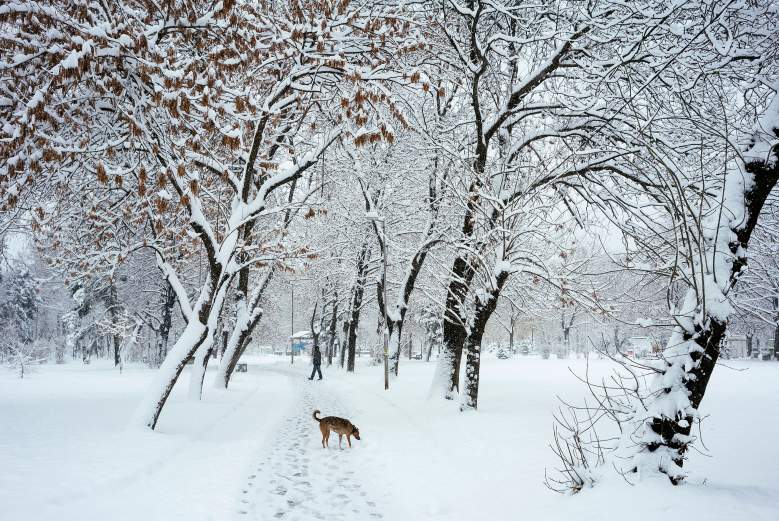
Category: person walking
[316,358]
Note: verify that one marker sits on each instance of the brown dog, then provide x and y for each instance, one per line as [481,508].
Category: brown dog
[340,425]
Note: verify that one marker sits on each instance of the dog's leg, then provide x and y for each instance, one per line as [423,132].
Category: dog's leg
[340,439]
[349,439]
[325,434]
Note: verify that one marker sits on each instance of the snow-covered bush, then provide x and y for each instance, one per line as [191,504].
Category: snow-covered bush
[578,450]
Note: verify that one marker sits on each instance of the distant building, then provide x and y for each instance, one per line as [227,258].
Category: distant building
[639,346]
[736,346]
[301,342]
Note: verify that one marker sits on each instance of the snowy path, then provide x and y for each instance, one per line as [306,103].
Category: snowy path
[296,479]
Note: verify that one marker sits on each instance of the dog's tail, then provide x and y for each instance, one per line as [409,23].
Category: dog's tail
[315,413]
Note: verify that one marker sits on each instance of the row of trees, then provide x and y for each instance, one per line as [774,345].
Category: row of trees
[480,150]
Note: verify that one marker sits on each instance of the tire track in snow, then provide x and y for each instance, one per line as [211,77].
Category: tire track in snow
[296,479]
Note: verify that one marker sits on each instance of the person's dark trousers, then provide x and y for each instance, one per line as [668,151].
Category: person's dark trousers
[317,369]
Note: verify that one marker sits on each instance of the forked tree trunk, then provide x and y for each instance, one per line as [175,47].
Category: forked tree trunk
[252,313]
[454,332]
[395,320]
[246,320]
[203,352]
[195,339]
[396,326]
[189,341]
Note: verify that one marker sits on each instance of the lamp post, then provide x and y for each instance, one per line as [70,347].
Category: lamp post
[373,217]
[292,327]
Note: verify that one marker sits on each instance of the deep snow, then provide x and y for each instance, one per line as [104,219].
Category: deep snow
[254,452]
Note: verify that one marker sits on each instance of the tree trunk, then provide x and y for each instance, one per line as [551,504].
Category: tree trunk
[195,340]
[111,301]
[454,332]
[482,315]
[776,329]
[166,323]
[449,361]
[691,355]
[331,331]
[776,342]
[191,339]
[236,345]
[248,315]
[395,329]
[448,372]
[511,337]
[354,314]
[354,323]
[342,345]
[202,356]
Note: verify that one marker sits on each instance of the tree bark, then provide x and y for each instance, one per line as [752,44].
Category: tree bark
[331,331]
[111,301]
[342,345]
[354,313]
[245,323]
[672,433]
[166,322]
[776,329]
[196,339]
[194,335]
[776,342]
[473,342]
[511,337]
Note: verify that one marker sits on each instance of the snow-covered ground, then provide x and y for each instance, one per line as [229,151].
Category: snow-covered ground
[254,452]
[66,454]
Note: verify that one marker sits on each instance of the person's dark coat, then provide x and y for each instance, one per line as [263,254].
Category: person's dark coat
[317,356]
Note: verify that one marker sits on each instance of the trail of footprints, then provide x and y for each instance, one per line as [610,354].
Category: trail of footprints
[298,480]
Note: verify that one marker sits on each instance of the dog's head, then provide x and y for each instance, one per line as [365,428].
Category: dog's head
[355,432]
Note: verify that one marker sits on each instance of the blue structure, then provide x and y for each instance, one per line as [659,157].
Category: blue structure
[301,342]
